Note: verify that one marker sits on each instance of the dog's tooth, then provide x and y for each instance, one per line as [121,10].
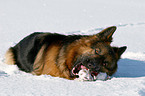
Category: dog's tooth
[94,78]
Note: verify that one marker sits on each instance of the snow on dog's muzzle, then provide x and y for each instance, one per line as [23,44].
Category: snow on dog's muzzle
[85,74]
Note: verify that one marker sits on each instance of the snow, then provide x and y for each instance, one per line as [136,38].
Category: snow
[19,18]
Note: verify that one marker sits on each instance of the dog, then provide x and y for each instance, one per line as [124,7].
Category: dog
[64,55]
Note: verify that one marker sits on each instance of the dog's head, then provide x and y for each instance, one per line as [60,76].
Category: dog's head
[95,54]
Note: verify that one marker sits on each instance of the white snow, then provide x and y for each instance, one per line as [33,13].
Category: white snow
[19,18]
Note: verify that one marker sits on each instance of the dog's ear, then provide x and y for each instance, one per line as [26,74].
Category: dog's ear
[106,34]
[119,51]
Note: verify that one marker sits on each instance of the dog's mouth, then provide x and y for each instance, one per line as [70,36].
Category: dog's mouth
[79,67]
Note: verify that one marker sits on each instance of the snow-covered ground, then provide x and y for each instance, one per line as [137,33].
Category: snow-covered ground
[18,18]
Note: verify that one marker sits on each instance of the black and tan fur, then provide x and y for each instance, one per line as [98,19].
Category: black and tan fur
[55,54]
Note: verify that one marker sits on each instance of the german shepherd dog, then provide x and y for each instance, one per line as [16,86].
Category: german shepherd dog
[63,55]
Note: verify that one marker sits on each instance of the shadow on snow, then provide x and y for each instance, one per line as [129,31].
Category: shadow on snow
[130,68]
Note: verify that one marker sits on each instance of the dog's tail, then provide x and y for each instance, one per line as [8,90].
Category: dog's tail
[10,57]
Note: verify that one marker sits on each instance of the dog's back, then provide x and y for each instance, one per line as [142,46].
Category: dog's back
[25,49]
[24,53]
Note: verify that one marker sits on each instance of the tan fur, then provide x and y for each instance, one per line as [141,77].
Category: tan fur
[9,57]
[62,64]
[51,67]
[39,62]
[49,62]
[45,63]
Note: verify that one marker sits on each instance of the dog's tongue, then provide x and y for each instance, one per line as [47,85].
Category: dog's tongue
[83,67]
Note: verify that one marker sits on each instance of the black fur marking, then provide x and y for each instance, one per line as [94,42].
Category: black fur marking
[27,49]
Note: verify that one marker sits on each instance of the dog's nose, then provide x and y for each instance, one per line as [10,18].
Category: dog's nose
[90,65]
[93,67]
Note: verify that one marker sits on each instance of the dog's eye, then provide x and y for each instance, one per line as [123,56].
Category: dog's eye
[97,51]
[105,63]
